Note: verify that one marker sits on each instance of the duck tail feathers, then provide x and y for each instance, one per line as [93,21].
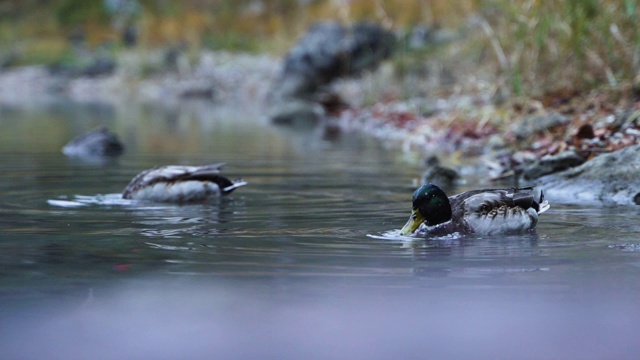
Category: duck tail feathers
[544,206]
[236,184]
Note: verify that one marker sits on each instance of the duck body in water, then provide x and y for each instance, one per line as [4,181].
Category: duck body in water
[482,212]
[181,184]
[439,175]
[97,143]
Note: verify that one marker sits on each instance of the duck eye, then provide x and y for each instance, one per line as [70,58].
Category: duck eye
[414,216]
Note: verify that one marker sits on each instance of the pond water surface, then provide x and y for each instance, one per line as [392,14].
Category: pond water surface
[301,263]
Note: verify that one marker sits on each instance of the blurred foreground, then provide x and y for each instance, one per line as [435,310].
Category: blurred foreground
[206,319]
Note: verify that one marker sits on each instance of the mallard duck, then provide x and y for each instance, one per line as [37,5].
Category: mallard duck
[99,142]
[483,212]
[438,174]
[180,184]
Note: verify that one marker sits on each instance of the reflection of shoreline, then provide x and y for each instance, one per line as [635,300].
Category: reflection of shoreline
[194,127]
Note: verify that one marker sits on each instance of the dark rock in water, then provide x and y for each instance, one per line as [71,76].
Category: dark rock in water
[444,177]
[196,90]
[94,144]
[99,66]
[550,164]
[297,113]
[612,178]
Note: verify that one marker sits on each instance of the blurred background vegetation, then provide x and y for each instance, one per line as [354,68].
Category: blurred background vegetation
[534,47]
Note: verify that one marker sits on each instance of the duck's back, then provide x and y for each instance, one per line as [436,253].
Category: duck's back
[180,184]
[96,143]
[495,211]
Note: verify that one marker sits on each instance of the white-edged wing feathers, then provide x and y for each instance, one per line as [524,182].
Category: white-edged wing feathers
[180,184]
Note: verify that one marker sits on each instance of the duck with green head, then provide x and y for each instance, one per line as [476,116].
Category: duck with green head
[483,212]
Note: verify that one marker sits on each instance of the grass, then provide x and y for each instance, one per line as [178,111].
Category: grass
[573,44]
[527,47]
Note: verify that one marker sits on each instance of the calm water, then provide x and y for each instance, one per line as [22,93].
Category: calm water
[299,264]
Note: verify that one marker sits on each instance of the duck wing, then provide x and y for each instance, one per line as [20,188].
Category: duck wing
[497,210]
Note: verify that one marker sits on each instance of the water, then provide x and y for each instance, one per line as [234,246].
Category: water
[302,263]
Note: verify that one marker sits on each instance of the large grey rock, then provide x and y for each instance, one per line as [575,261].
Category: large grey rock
[549,164]
[608,179]
[329,51]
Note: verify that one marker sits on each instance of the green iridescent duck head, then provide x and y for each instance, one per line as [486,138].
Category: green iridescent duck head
[430,206]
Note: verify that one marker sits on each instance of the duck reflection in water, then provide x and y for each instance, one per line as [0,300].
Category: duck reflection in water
[471,255]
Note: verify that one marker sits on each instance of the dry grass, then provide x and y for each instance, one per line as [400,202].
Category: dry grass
[526,47]
[550,46]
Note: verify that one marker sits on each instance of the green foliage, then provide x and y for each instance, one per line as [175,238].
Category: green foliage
[233,42]
[516,82]
[77,12]
[50,52]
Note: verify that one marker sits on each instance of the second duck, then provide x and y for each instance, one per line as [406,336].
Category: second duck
[181,184]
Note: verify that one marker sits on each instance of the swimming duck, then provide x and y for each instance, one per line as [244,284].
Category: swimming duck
[99,142]
[438,174]
[180,184]
[483,212]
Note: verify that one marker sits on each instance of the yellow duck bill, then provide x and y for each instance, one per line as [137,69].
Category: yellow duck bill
[413,223]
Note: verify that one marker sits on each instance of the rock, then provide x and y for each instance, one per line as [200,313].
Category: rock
[297,113]
[195,89]
[606,179]
[101,65]
[329,51]
[422,35]
[585,132]
[538,123]
[97,143]
[550,164]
